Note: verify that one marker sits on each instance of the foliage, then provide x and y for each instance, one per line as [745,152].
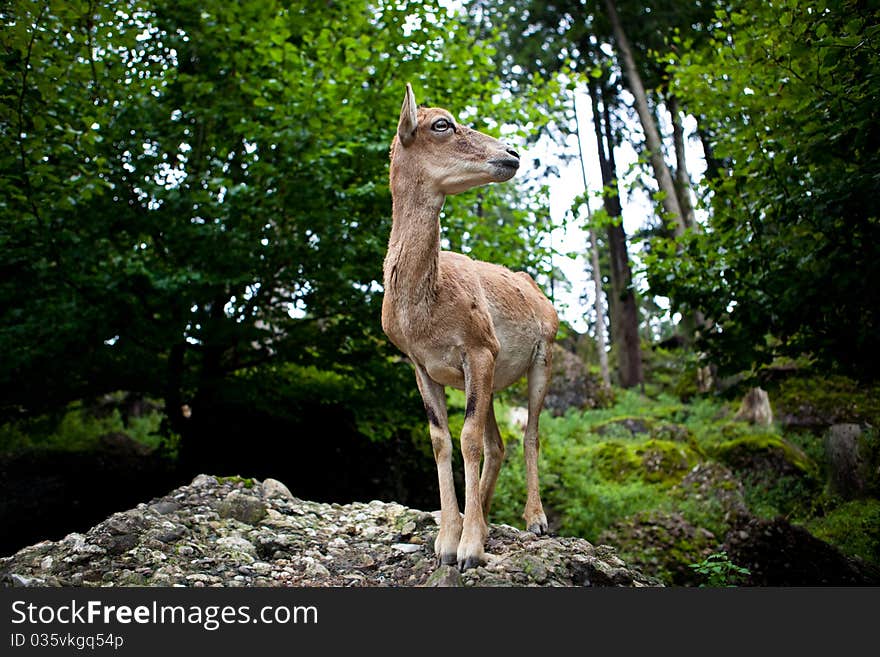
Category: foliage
[854,527]
[189,191]
[620,472]
[590,481]
[720,571]
[832,398]
[80,429]
[671,371]
[786,95]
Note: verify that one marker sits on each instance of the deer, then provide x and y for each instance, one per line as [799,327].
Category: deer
[463,323]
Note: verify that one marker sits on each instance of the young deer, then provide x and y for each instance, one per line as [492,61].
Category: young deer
[463,323]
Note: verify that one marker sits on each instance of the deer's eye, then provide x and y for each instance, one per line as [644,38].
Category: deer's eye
[441,125]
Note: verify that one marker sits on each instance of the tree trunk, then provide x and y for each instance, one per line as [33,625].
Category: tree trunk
[649,125]
[682,177]
[713,166]
[598,302]
[624,313]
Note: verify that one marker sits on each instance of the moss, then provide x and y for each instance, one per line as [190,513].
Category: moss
[623,427]
[236,480]
[760,450]
[665,462]
[653,461]
[673,432]
[615,461]
[853,527]
[827,400]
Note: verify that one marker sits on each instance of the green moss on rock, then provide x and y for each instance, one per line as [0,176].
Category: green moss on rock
[623,427]
[662,545]
[664,461]
[816,401]
[615,461]
[653,461]
[236,480]
[763,451]
[854,528]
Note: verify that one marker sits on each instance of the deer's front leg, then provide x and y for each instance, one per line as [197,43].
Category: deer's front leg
[479,369]
[434,398]
[539,380]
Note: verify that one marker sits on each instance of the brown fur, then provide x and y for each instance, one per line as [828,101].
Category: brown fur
[464,323]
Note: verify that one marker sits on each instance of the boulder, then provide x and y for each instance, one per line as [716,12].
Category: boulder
[847,466]
[755,408]
[572,385]
[778,553]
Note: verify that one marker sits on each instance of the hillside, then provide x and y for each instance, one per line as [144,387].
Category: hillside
[672,478]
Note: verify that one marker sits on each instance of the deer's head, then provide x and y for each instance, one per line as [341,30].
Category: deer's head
[447,157]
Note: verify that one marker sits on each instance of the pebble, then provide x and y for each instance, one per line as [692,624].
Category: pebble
[406,547]
[312,544]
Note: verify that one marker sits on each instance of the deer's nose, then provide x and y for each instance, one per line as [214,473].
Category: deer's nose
[512,152]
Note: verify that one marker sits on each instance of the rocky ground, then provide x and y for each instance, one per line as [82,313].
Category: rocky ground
[243,532]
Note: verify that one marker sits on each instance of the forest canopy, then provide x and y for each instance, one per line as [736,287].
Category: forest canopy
[193,196]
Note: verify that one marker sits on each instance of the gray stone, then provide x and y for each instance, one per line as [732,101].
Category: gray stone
[244,508]
[237,544]
[406,548]
[444,576]
[203,480]
[274,488]
[847,468]
[251,542]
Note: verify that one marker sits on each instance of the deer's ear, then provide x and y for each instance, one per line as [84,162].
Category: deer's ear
[409,120]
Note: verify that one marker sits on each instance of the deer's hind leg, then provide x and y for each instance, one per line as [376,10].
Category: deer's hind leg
[493,455]
[539,380]
[434,398]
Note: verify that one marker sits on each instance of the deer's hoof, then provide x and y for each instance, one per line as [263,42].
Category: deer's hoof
[447,559]
[470,562]
[539,526]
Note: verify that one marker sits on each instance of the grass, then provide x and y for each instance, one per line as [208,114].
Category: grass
[602,468]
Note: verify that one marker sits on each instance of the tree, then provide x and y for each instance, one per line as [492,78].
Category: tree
[195,192]
[623,298]
[549,40]
[788,265]
[598,295]
[653,141]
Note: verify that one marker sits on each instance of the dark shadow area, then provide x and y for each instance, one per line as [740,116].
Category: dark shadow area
[320,456]
[49,494]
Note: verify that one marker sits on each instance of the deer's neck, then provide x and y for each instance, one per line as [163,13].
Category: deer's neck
[411,264]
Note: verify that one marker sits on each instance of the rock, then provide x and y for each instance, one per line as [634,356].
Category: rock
[274,488]
[847,468]
[217,533]
[246,508]
[203,480]
[662,544]
[778,553]
[755,408]
[237,544]
[711,480]
[165,507]
[444,576]
[766,457]
[572,385]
